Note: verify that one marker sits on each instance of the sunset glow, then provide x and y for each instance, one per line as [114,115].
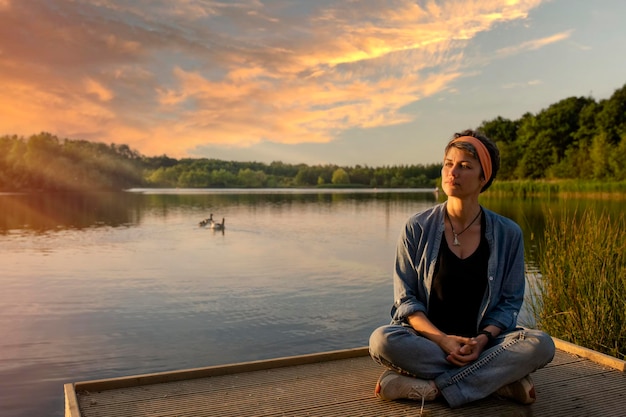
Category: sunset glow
[228,78]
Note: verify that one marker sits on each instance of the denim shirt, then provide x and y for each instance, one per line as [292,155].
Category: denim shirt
[416,257]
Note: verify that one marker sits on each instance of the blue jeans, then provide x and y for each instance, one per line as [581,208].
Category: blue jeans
[511,356]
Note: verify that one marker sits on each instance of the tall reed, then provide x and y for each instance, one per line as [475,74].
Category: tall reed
[530,188]
[580,295]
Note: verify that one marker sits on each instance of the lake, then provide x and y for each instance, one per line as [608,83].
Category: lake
[104,285]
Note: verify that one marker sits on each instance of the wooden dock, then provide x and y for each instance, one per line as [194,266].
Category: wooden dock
[579,382]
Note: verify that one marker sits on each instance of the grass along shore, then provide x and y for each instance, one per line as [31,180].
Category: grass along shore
[562,188]
[580,295]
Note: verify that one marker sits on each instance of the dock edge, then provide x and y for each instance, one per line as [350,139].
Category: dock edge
[592,355]
[72,408]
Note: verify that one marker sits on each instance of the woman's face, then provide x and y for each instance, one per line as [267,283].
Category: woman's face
[461,175]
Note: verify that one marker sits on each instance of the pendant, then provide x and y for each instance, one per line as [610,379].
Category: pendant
[456,240]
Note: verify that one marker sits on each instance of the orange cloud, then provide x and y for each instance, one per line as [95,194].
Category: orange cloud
[97,89]
[170,76]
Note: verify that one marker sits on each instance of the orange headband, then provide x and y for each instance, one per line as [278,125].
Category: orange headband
[483,154]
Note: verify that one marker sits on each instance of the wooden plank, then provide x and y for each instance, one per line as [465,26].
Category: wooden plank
[162,377]
[71,402]
[596,357]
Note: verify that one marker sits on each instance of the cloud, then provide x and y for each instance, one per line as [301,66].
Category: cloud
[169,76]
[524,84]
[534,44]
[97,89]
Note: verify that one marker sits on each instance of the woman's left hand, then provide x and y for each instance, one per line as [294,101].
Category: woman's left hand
[466,353]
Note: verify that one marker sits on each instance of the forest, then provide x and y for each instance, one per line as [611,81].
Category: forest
[575,138]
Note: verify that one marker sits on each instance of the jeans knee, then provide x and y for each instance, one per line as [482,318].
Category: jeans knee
[544,346]
[377,342]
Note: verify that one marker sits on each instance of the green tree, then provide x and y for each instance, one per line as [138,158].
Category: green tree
[587,126]
[195,178]
[222,178]
[500,129]
[599,155]
[164,177]
[360,175]
[612,118]
[559,123]
[537,158]
[617,161]
[306,176]
[251,179]
[340,176]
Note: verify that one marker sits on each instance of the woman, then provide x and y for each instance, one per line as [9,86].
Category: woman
[458,288]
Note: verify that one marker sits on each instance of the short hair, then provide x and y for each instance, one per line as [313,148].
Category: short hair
[491,146]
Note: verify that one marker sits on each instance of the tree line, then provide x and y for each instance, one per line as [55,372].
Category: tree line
[224,174]
[45,162]
[575,138]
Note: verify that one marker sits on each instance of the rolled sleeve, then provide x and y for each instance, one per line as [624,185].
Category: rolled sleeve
[409,295]
[509,284]
[405,308]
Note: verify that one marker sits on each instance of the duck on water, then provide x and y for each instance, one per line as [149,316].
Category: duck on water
[217,226]
[212,224]
[207,221]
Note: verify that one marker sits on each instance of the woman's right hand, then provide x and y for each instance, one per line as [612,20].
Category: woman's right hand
[461,350]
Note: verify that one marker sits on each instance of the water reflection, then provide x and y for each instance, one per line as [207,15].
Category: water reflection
[46,212]
[38,213]
[43,212]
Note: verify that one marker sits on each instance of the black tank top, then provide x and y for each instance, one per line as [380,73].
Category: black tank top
[458,289]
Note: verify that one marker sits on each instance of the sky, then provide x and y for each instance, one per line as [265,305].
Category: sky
[346,82]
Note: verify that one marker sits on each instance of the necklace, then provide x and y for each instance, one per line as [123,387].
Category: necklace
[456,235]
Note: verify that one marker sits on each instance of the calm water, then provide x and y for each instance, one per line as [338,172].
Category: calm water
[114,284]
